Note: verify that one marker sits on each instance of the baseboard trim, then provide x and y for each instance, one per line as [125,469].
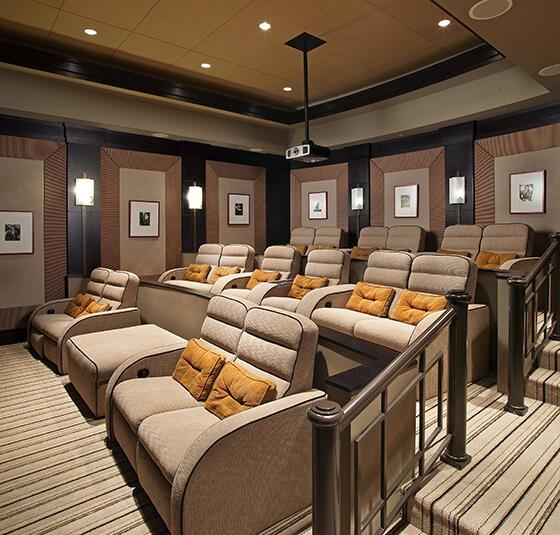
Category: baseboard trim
[12,336]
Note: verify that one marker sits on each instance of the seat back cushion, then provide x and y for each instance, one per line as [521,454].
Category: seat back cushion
[388,268]
[328,236]
[438,274]
[97,281]
[406,238]
[371,299]
[491,260]
[462,238]
[209,253]
[197,272]
[198,368]
[238,255]
[302,285]
[279,346]
[302,236]
[121,290]
[508,238]
[373,237]
[222,327]
[222,271]
[413,307]
[282,258]
[259,276]
[333,264]
[236,389]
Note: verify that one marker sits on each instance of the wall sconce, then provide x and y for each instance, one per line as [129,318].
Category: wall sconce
[357,198]
[194,200]
[84,191]
[457,193]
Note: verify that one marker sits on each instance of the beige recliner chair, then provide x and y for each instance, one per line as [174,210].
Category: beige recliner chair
[281,258]
[49,327]
[239,255]
[331,263]
[328,236]
[373,238]
[208,253]
[301,238]
[462,238]
[409,238]
[509,238]
[189,461]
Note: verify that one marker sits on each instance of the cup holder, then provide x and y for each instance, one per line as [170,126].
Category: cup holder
[50,311]
[173,277]
[328,304]
[143,373]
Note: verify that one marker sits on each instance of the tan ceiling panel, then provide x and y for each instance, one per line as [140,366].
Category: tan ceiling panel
[52,3]
[152,49]
[122,13]
[73,26]
[187,22]
[28,13]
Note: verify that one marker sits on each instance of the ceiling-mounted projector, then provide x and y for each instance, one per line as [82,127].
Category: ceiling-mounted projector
[308,151]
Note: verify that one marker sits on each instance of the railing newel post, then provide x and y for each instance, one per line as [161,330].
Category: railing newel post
[555,237]
[456,452]
[325,416]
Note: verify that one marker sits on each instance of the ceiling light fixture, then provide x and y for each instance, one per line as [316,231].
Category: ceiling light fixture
[490,9]
[551,70]
[265,26]
[444,23]
[90,31]
[205,65]
[287,88]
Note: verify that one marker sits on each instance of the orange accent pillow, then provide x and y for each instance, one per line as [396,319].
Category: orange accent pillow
[93,308]
[301,247]
[371,299]
[197,272]
[237,390]
[259,276]
[316,246]
[361,253]
[460,253]
[197,368]
[489,260]
[78,305]
[303,285]
[222,271]
[413,307]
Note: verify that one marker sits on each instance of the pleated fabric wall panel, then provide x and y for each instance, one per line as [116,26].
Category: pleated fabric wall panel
[110,216]
[437,196]
[377,195]
[484,209]
[173,215]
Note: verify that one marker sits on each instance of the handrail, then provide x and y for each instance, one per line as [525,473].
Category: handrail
[382,381]
[547,255]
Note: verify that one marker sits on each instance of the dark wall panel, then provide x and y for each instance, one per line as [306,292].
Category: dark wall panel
[277,205]
[358,176]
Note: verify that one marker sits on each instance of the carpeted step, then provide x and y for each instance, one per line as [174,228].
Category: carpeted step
[550,356]
[544,384]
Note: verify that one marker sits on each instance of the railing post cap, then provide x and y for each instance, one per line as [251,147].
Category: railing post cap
[458,296]
[517,281]
[555,236]
[325,413]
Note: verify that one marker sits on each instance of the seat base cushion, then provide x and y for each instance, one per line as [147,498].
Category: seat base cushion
[385,332]
[285,303]
[242,293]
[53,325]
[339,319]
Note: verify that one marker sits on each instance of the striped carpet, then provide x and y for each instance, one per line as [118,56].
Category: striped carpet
[56,473]
[544,382]
[511,486]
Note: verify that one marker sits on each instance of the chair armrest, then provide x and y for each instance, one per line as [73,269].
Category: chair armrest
[238,280]
[177,273]
[269,289]
[331,296]
[520,264]
[58,307]
[148,363]
[92,323]
[273,457]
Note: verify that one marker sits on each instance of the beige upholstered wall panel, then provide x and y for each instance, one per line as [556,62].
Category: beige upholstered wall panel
[331,187]
[377,195]
[144,256]
[173,243]
[236,233]
[22,281]
[483,186]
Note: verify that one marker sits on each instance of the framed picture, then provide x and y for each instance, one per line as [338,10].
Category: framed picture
[16,232]
[527,193]
[143,219]
[239,209]
[406,201]
[318,205]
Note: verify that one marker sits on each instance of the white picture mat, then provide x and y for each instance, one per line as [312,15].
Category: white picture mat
[318,199]
[235,199]
[412,209]
[25,243]
[147,231]
[532,186]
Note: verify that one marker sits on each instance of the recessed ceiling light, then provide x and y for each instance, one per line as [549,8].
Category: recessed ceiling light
[489,9]
[205,65]
[551,70]
[160,134]
[255,149]
[90,31]
[265,26]
[287,88]
[444,23]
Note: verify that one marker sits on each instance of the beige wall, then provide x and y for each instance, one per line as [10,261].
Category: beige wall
[312,187]
[144,256]
[547,159]
[22,280]
[236,233]
[407,178]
